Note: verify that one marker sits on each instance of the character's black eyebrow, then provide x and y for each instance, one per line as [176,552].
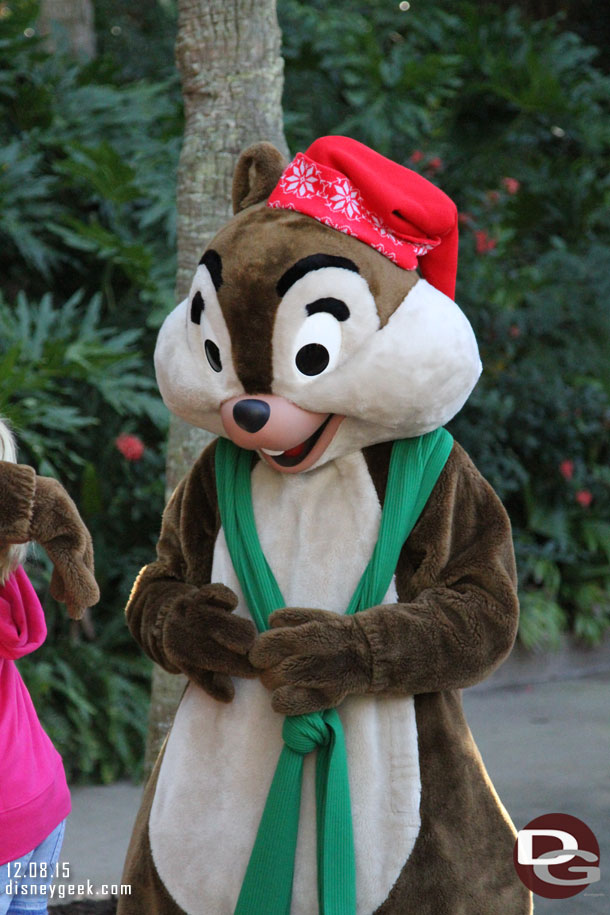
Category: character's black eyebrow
[334,307]
[213,261]
[197,306]
[307,264]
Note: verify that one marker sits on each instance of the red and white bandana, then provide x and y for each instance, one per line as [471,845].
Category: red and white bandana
[349,187]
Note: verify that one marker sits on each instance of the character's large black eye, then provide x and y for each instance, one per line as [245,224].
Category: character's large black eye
[312,359]
[213,354]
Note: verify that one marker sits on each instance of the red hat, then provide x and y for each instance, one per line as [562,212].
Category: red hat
[347,186]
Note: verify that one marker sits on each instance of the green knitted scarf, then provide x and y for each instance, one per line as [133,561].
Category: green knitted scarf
[415,466]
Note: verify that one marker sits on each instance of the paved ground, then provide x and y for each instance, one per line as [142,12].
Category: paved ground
[547,750]
[546,747]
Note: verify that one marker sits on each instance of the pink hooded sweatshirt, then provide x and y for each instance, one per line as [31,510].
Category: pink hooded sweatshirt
[34,796]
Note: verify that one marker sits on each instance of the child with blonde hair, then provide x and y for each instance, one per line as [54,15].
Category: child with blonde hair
[34,796]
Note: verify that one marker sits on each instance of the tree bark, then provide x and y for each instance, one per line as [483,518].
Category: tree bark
[73,18]
[228,53]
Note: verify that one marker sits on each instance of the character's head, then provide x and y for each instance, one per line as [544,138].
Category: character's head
[308,332]
[10,555]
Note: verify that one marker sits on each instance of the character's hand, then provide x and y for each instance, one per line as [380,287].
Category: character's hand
[312,659]
[39,508]
[203,639]
[56,524]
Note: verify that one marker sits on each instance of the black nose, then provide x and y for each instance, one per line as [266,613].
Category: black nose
[251,414]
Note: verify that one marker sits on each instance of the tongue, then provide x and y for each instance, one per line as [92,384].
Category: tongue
[294,452]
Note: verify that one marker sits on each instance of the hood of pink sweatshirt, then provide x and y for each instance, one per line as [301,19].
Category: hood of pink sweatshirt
[34,796]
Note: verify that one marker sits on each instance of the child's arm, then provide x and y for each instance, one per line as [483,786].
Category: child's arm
[39,508]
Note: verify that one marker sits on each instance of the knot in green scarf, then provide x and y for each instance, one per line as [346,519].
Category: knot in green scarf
[305,733]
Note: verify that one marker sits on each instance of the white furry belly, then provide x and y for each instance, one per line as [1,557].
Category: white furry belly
[220,759]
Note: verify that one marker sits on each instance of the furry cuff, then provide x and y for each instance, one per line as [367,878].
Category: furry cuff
[17,488]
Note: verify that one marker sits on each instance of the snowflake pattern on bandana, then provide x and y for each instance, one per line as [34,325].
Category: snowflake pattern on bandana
[301,178]
[329,197]
[346,199]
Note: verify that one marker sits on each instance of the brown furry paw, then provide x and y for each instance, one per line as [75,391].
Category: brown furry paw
[58,527]
[311,659]
[203,639]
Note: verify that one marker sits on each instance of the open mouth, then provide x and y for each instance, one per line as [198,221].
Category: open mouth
[294,456]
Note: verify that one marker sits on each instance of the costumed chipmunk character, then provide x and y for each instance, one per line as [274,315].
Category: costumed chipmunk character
[332,570]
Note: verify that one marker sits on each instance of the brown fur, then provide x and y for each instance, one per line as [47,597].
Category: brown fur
[39,508]
[462,862]
[257,172]
[181,620]
[87,907]
[312,659]
[456,580]
[17,488]
[148,894]
[456,620]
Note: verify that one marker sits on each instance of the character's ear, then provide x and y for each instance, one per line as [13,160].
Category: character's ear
[257,172]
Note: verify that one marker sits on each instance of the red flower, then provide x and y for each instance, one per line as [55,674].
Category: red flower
[130,446]
[435,164]
[584,497]
[511,185]
[493,196]
[417,155]
[566,469]
[483,242]
[514,331]
[465,219]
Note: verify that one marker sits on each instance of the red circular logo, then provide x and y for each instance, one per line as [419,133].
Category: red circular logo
[556,856]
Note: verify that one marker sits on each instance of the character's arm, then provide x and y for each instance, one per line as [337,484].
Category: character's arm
[181,620]
[455,621]
[39,508]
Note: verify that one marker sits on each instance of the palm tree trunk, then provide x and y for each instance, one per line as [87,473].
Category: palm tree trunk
[229,57]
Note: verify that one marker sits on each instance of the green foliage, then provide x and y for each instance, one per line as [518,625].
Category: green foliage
[70,385]
[138,35]
[87,267]
[92,698]
[510,117]
[87,166]
[364,76]
[61,369]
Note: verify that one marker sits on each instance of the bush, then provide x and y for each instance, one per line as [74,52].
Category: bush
[70,385]
[87,260]
[87,171]
[92,699]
